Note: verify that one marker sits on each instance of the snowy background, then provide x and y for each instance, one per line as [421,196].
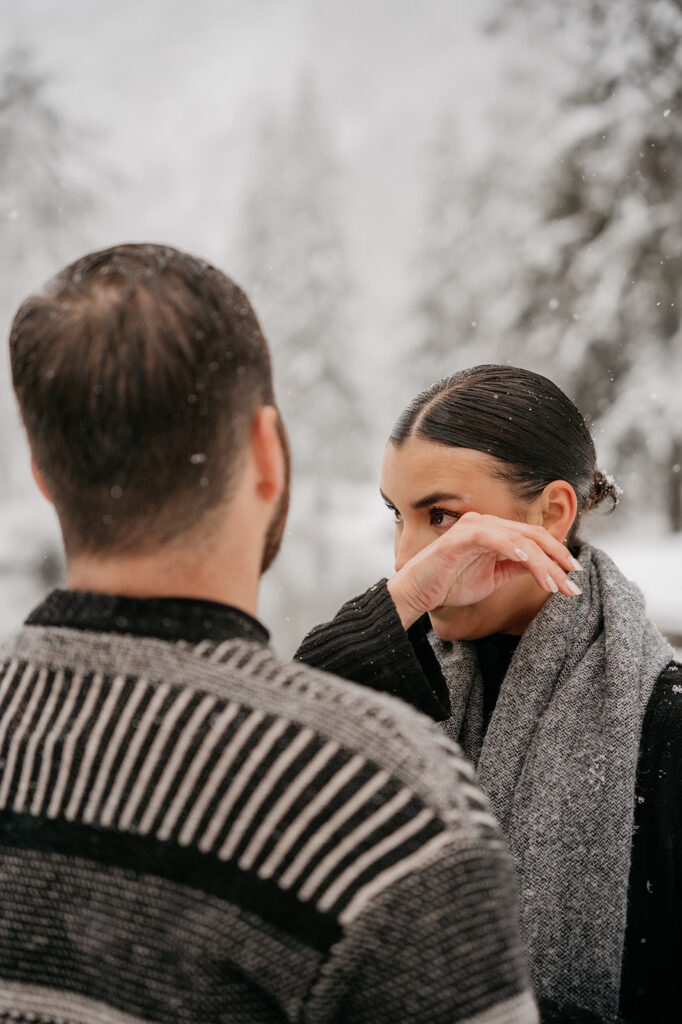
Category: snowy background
[404,188]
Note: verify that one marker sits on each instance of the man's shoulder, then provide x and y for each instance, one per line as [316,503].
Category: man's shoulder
[377,729]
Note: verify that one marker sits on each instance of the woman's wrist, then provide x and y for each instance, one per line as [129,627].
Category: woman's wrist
[407,612]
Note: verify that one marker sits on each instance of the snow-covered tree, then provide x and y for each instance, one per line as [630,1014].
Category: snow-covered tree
[571,263]
[297,274]
[445,328]
[599,295]
[41,205]
[40,198]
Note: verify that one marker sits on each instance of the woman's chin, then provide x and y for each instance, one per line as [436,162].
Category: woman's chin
[474,621]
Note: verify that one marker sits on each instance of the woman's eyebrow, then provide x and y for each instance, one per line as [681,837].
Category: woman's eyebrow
[433,499]
[430,499]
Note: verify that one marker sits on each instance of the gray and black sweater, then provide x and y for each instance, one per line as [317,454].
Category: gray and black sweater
[366,643]
[193,830]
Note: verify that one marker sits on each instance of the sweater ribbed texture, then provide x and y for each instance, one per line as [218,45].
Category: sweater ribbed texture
[355,647]
[196,831]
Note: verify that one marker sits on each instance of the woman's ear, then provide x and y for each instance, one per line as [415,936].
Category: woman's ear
[269,459]
[559,507]
[42,486]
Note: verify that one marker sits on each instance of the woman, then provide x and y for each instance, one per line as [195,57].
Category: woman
[565,696]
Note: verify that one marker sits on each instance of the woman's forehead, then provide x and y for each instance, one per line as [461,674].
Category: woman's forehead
[418,463]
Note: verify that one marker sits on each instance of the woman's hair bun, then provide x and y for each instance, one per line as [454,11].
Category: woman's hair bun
[603,488]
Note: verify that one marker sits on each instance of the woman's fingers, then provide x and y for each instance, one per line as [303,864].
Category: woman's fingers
[549,544]
[546,572]
[544,557]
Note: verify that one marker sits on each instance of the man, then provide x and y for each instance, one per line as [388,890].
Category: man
[192,829]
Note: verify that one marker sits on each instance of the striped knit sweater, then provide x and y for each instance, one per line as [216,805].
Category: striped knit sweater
[194,830]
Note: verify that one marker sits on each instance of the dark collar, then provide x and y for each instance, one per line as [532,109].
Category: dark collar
[166,618]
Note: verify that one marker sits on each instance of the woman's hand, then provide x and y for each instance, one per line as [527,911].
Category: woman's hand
[475,557]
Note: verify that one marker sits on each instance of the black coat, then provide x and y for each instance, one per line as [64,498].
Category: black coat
[366,643]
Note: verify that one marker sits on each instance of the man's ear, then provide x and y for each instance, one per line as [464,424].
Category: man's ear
[268,456]
[559,507]
[42,486]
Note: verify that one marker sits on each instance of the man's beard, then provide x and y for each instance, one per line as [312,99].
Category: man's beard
[275,531]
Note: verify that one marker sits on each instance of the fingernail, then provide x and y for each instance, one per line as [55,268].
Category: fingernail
[573,587]
[521,554]
[551,584]
[576,565]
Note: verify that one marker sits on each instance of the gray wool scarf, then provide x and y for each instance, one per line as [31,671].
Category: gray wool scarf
[558,763]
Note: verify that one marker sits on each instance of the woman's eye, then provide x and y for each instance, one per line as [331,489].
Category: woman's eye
[397,518]
[442,517]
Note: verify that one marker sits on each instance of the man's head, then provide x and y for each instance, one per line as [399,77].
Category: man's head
[140,372]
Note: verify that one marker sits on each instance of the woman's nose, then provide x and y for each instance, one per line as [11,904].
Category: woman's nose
[406,547]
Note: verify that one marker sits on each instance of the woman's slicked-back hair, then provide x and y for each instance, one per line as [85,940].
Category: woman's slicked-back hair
[138,371]
[519,418]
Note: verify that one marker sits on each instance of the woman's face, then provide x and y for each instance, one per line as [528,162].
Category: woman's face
[427,487]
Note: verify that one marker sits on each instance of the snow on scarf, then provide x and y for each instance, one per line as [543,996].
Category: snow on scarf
[559,762]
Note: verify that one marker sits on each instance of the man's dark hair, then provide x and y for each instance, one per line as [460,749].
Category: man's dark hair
[138,372]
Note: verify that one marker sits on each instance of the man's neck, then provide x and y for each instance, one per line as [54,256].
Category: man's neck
[231,582]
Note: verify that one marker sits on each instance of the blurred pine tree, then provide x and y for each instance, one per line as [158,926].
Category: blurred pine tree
[43,203]
[297,276]
[567,251]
